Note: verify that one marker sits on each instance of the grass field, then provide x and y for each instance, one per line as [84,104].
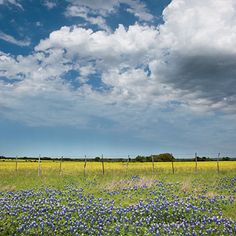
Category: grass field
[129,199]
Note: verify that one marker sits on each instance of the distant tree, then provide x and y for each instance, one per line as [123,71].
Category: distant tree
[140,158]
[163,157]
[202,159]
[198,158]
[97,158]
[225,159]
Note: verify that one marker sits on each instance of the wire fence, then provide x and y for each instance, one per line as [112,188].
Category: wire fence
[187,162]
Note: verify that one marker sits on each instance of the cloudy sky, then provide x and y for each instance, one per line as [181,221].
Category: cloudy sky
[117,77]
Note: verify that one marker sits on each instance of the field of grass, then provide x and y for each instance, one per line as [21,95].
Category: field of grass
[129,199]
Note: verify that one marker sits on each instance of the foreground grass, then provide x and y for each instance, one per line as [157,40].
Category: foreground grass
[127,185]
[26,175]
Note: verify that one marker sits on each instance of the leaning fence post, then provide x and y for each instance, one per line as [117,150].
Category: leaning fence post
[102,165]
[218,167]
[16,163]
[195,162]
[85,163]
[39,166]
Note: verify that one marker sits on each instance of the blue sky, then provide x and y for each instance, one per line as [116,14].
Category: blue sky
[119,77]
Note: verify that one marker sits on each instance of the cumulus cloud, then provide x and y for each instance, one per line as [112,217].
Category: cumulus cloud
[143,73]
[132,45]
[198,51]
[121,58]
[192,53]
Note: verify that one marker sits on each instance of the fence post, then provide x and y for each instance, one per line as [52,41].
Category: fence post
[152,164]
[102,165]
[60,171]
[218,167]
[39,166]
[85,163]
[172,163]
[127,164]
[195,162]
[16,163]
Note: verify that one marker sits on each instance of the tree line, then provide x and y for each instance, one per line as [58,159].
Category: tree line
[162,157]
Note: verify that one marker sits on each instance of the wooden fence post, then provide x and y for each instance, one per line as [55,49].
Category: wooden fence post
[218,167]
[127,164]
[85,163]
[195,162]
[60,171]
[102,165]
[172,163]
[16,163]
[152,164]
[39,166]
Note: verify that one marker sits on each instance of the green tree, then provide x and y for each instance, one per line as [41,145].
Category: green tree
[163,157]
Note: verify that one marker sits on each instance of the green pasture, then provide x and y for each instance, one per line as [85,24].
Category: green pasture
[186,178]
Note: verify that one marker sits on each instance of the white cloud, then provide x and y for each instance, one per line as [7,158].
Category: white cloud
[114,55]
[38,24]
[49,4]
[13,2]
[39,95]
[198,42]
[138,9]
[132,45]
[102,7]
[10,39]
[196,25]
[195,39]
[95,12]
[84,12]
[184,67]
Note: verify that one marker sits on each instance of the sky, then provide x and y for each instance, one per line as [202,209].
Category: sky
[118,77]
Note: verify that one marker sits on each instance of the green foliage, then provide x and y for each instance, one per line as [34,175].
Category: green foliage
[202,158]
[140,158]
[97,158]
[160,157]
[164,157]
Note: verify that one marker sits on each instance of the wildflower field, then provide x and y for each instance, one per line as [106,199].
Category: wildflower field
[128,199]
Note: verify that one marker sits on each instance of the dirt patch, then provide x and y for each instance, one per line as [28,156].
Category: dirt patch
[7,188]
[126,184]
[186,186]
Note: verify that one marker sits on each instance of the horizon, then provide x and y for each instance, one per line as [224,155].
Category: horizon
[211,156]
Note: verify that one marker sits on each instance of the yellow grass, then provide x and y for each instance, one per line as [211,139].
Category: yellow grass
[74,166]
